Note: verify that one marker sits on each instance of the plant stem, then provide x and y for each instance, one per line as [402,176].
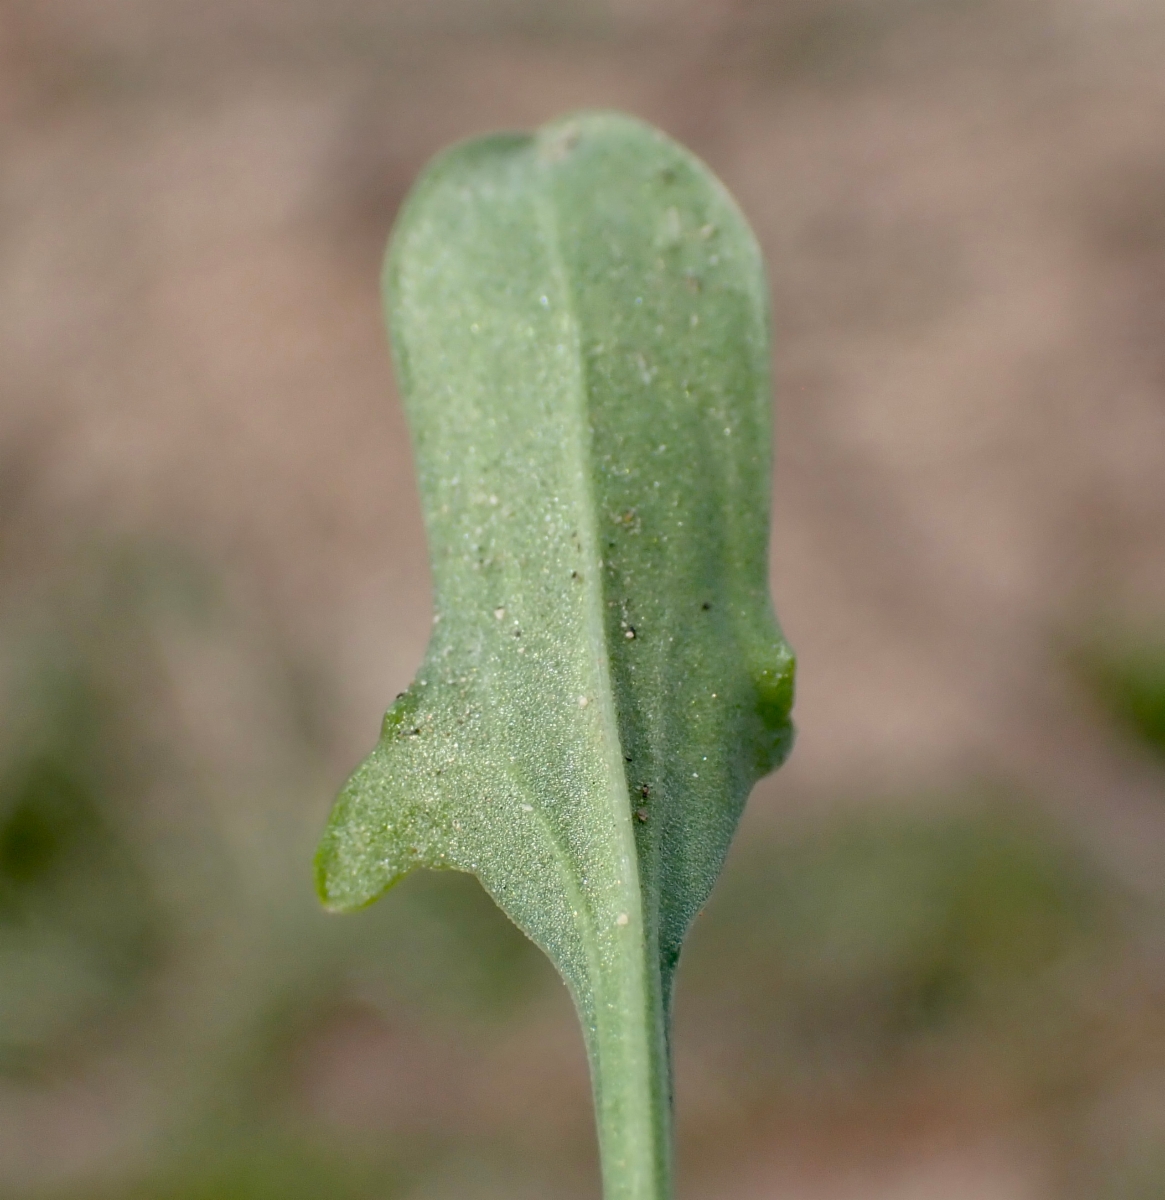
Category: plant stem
[630,1063]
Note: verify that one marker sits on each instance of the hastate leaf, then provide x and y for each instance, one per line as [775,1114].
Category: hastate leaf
[580,328]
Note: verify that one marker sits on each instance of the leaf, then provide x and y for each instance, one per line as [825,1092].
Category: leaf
[580,329]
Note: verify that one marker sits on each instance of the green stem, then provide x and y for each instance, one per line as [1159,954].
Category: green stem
[631,1074]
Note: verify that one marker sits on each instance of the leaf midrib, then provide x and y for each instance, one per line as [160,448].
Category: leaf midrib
[594,618]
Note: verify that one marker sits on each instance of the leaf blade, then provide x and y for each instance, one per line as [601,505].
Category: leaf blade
[580,328]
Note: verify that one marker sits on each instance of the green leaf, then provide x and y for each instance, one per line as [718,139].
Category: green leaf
[580,326]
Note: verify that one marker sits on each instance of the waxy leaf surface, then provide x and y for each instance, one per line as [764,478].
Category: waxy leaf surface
[580,328]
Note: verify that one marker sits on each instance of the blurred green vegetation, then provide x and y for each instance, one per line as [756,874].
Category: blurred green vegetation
[160,792]
[902,946]
[275,1171]
[77,922]
[1142,1177]
[881,927]
[161,789]
[80,927]
[1125,672]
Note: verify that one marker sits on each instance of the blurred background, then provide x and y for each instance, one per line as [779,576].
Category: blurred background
[935,966]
